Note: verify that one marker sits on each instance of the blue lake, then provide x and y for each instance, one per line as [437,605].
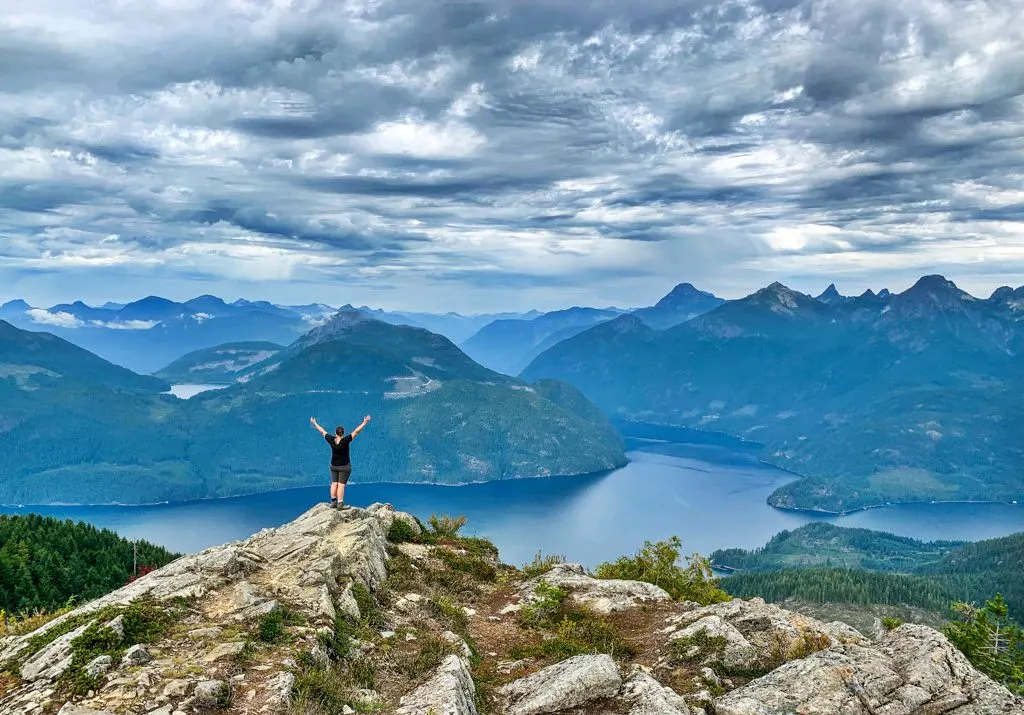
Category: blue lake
[709,491]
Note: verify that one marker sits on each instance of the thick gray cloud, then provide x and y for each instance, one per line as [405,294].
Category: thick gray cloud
[506,153]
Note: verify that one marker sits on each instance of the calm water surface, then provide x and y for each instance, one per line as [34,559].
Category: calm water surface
[186,391]
[709,491]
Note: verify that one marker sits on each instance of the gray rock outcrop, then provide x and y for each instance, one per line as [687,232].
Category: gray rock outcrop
[449,691]
[914,670]
[571,683]
[600,595]
[649,697]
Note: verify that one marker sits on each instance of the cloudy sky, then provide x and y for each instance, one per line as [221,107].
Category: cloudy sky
[506,153]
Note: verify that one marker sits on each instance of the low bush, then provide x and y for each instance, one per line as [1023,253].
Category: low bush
[541,564]
[658,563]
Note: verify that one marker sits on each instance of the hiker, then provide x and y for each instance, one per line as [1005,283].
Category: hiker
[341,465]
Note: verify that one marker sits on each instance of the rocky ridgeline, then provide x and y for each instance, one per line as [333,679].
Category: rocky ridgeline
[327,615]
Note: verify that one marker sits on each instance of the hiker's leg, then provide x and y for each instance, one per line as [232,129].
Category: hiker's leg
[343,476]
[334,486]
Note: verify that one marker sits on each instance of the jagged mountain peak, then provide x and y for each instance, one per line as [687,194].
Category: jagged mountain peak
[830,295]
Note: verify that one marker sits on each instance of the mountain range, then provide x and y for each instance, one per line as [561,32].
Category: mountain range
[77,429]
[510,345]
[875,399]
[148,334]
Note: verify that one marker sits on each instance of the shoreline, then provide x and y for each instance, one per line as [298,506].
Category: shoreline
[848,512]
[200,500]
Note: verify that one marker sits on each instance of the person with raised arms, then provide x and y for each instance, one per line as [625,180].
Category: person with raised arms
[341,462]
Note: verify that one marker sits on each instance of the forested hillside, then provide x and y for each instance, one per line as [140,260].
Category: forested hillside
[820,544]
[842,586]
[45,561]
[930,573]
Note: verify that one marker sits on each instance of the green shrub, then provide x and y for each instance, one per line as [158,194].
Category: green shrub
[271,626]
[401,531]
[541,564]
[658,563]
[891,623]
[446,527]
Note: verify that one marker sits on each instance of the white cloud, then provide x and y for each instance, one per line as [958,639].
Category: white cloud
[59,319]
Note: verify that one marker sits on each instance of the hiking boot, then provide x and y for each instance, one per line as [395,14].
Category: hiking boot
[334,505]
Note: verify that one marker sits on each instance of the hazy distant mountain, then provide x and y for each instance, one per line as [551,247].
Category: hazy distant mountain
[454,326]
[219,365]
[148,334]
[510,345]
[681,304]
[103,434]
[875,399]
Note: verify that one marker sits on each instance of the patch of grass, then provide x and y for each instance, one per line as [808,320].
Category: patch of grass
[450,614]
[472,564]
[578,633]
[224,698]
[338,641]
[144,621]
[486,681]
[431,651]
[541,564]
[479,546]
[457,584]
[402,575]
[18,624]
[575,629]
[369,610]
[246,655]
[271,626]
[807,644]
[697,648]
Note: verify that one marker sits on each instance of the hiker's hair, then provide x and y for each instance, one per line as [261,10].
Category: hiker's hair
[339,430]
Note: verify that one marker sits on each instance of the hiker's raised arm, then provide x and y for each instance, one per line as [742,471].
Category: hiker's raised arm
[321,430]
[359,429]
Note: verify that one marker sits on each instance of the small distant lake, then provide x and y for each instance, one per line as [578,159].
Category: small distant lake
[708,490]
[186,391]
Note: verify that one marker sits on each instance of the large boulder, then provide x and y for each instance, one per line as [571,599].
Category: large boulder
[565,685]
[599,594]
[753,634]
[449,691]
[714,639]
[914,670]
[647,696]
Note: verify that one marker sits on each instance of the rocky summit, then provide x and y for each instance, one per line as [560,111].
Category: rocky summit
[367,610]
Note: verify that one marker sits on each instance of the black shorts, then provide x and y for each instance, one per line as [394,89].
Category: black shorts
[341,474]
